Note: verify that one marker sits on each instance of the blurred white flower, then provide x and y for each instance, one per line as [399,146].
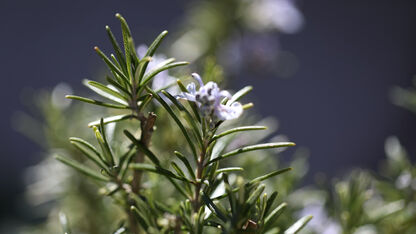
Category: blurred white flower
[404,180]
[282,15]
[209,97]
[58,96]
[41,186]
[321,222]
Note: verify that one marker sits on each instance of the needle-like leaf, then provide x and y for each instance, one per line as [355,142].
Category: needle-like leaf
[251,148]
[296,227]
[111,119]
[238,95]
[271,218]
[96,102]
[143,148]
[238,129]
[110,64]
[116,47]
[89,151]
[267,176]
[106,92]
[83,169]
[176,119]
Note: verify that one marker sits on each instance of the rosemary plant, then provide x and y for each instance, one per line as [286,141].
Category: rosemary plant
[209,198]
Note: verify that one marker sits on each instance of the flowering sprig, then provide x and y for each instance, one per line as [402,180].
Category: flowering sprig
[248,208]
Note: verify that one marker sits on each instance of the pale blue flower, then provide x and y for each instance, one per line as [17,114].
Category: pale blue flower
[209,97]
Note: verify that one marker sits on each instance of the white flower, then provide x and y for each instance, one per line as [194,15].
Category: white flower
[209,97]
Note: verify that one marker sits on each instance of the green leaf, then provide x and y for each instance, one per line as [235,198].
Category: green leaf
[144,222]
[228,169]
[89,151]
[182,174]
[271,218]
[251,148]
[115,61]
[83,169]
[146,100]
[149,53]
[178,122]
[106,92]
[296,227]
[225,195]
[231,196]
[211,204]
[238,129]
[267,176]
[110,119]
[156,71]
[237,96]
[155,169]
[110,64]
[270,202]
[128,42]
[116,47]
[102,141]
[178,169]
[179,188]
[118,86]
[125,161]
[255,195]
[189,118]
[186,163]
[142,148]
[95,102]
[155,44]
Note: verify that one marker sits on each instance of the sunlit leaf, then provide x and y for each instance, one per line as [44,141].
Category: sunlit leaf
[111,119]
[253,147]
[296,227]
[96,102]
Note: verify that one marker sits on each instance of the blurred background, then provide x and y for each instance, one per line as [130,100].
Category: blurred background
[336,67]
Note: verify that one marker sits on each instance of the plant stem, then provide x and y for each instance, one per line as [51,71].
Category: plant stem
[198,184]
[146,127]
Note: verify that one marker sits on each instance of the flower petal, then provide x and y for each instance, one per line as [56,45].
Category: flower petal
[198,78]
[186,96]
[224,112]
[225,93]
[191,88]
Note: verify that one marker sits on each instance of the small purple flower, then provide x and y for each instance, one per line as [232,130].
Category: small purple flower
[209,97]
